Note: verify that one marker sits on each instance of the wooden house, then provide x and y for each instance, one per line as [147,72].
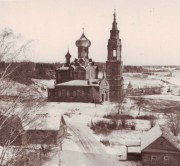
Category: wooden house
[159,148]
[47,130]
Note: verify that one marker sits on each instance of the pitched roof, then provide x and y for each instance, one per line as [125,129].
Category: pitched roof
[44,122]
[155,133]
[150,136]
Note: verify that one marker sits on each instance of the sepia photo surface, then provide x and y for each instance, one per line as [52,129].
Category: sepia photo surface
[89,83]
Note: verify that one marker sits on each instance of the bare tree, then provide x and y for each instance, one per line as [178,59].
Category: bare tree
[119,105]
[174,122]
[140,104]
[17,101]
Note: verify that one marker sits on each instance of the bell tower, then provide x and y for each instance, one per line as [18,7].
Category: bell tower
[114,65]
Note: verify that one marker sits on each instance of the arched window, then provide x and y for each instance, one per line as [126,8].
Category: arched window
[74,93]
[68,93]
[114,53]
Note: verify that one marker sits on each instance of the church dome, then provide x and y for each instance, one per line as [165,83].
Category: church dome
[68,55]
[83,42]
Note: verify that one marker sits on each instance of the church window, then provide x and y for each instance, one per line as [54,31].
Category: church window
[68,93]
[89,92]
[74,93]
[59,92]
[63,92]
[82,93]
[59,76]
[79,92]
[71,74]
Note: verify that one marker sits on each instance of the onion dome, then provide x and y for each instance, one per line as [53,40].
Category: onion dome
[68,55]
[83,41]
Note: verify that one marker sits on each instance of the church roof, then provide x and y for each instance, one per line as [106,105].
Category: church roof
[79,83]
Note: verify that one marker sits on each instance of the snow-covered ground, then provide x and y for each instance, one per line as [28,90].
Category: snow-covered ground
[163,97]
[82,147]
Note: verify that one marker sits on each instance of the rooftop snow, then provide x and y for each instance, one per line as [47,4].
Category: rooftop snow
[150,136]
[44,122]
[79,83]
[64,68]
[134,149]
[156,132]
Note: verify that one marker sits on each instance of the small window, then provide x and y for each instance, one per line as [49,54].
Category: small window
[153,159]
[166,159]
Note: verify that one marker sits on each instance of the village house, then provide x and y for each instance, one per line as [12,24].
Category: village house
[45,130]
[143,90]
[159,148]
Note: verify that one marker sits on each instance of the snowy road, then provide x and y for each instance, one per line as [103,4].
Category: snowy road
[85,139]
[83,149]
[92,151]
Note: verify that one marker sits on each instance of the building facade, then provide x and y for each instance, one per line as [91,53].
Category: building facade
[159,148]
[45,130]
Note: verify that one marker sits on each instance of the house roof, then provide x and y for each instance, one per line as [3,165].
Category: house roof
[44,122]
[155,133]
[78,83]
[134,149]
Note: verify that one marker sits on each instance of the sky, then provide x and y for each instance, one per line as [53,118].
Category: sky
[149,29]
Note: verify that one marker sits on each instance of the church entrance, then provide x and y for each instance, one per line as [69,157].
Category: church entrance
[102,97]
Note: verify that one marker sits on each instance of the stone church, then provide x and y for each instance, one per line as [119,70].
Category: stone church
[77,81]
